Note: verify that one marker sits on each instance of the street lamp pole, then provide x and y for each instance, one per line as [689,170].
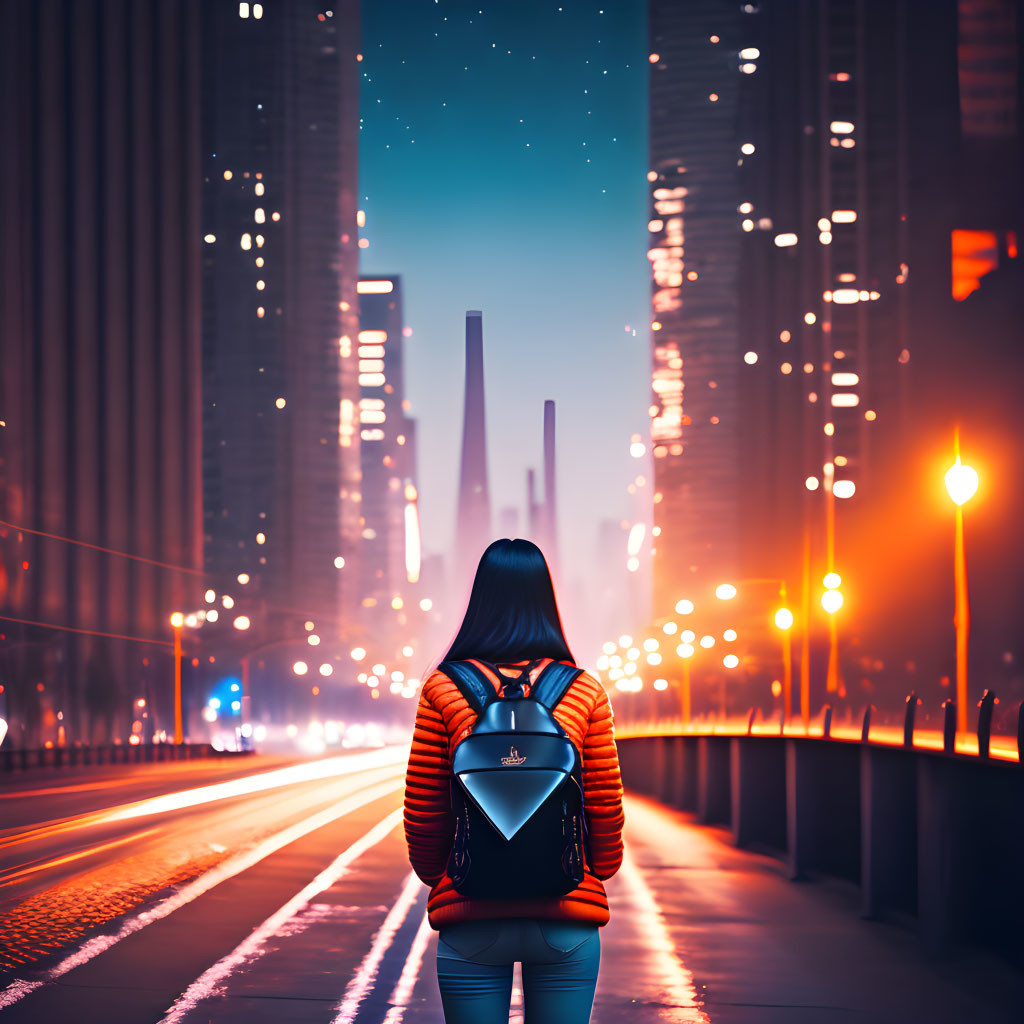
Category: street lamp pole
[177,621]
[962,484]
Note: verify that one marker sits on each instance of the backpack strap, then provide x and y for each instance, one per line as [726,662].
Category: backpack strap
[472,683]
[553,682]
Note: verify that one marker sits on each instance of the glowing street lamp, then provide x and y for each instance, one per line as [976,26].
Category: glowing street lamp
[962,485]
[832,601]
[784,622]
[725,591]
[784,619]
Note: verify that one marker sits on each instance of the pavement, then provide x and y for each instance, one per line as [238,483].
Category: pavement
[314,916]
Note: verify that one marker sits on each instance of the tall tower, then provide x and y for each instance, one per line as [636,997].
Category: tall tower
[550,496]
[474,511]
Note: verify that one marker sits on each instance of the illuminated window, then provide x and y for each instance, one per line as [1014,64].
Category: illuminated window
[785,239]
[845,399]
[373,434]
[371,380]
[841,127]
[259,216]
[243,10]
[246,242]
[372,337]
[975,254]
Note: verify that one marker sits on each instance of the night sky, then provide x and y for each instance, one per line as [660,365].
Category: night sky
[503,168]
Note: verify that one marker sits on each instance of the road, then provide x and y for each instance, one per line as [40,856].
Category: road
[274,890]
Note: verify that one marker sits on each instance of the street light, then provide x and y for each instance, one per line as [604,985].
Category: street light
[725,591]
[962,485]
[177,621]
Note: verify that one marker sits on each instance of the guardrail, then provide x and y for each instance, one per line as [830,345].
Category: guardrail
[118,753]
[934,835]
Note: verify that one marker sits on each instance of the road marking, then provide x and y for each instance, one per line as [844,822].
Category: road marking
[17,990]
[400,997]
[679,987]
[366,975]
[210,982]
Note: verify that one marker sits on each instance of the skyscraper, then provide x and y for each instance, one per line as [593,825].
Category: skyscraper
[388,441]
[282,456]
[866,160]
[473,522]
[694,254]
[100,377]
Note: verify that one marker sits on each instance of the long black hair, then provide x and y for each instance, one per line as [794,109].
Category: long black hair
[512,614]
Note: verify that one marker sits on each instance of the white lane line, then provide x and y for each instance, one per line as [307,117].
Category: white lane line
[210,982]
[310,771]
[678,981]
[399,998]
[17,990]
[366,976]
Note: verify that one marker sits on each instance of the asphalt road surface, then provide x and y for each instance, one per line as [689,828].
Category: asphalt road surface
[270,890]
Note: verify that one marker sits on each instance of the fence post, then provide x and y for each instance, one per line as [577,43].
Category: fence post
[988,701]
[949,726]
[908,718]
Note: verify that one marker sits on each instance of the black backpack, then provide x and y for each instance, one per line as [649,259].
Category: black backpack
[517,789]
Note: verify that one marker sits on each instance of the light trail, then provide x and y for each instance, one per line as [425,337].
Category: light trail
[13,876]
[366,975]
[17,990]
[680,990]
[209,983]
[310,771]
[403,990]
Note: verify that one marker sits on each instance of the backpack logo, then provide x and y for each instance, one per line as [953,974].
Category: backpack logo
[513,757]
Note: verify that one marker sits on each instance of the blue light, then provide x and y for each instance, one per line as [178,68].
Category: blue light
[214,702]
[235,687]
[236,705]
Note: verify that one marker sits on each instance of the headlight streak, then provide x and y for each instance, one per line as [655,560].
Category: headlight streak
[92,948]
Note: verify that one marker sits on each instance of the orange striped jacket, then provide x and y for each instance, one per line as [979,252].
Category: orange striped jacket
[443,719]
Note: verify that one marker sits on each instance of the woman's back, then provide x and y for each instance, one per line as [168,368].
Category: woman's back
[512,628]
[443,719]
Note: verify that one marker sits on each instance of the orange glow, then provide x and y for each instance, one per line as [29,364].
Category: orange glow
[961,482]
[975,254]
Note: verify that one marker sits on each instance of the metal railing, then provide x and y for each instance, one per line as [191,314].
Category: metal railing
[120,753]
[928,833]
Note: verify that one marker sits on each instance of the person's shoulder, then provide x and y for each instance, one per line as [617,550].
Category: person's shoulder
[585,683]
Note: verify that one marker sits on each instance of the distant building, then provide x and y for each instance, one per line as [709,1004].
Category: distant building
[388,440]
[281,447]
[100,239]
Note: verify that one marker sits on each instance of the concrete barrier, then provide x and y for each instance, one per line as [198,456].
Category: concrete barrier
[928,835]
[64,757]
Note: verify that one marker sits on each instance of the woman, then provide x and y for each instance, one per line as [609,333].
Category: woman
[512,630]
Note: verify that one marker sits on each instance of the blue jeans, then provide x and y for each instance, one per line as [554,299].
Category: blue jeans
[560,962]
